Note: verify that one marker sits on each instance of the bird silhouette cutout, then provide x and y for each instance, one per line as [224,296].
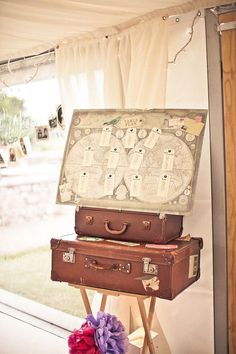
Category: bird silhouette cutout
[113,121]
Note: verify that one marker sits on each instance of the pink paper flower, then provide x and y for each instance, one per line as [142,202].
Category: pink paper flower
[81,341]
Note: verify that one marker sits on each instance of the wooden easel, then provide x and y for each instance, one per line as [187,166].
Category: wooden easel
[146,318]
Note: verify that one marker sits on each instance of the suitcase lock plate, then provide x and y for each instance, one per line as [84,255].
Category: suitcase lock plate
[89,220]
[69,257]
[148,267]
[146,225]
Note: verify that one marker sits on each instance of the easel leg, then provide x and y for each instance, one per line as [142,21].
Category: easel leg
[86,301]
[146,326]
[150,318]
[103,302]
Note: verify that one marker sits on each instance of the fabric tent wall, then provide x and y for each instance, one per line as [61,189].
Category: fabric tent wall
[122,71]
[186,324]
[187,321]
[31,27]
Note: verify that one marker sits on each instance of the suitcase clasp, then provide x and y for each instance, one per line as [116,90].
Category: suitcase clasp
[146,225]
[148,267]
[69,257]
[89,220]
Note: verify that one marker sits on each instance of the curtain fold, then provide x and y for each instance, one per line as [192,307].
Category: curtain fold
[125,70]
[145,49]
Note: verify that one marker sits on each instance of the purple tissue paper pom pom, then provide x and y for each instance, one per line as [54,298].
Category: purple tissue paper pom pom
[110,336]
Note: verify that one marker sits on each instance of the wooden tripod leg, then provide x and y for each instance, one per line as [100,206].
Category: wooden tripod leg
[85,301]
[103,302]
[146,325]
[150,318]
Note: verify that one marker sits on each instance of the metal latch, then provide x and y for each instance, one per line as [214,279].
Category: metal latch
[148,267]
[69,257]
[146,225]
[89,220]
[162,216]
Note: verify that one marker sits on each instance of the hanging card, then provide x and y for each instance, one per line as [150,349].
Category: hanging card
[136,185]
[168,159]
[163,185]
[137,158]
[88,156]
[105,136]
[113,158]
[152,138]
[83,182]
[130,138]
[109,184]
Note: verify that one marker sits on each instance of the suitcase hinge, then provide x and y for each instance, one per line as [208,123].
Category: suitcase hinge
[148,267]
[69,257]
[78,204]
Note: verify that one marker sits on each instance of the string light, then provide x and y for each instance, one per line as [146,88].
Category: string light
[36,66]
[198,14]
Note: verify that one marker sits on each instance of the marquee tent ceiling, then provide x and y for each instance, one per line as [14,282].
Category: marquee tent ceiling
[28,27]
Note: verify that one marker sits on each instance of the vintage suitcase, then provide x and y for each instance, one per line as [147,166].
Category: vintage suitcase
[128,225]
[134,161]
[132,268]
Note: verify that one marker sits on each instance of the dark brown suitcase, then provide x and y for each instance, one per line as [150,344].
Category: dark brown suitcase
[128,225]
[136,269]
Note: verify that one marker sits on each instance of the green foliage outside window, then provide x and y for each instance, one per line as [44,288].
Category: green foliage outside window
[13,121]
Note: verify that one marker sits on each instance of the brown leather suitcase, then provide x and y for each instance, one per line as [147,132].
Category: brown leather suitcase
[128,225]
[138,269]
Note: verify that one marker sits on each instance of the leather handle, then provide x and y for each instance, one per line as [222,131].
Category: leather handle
[93,264]
[115,232]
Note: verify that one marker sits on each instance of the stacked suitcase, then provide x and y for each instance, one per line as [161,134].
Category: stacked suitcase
[131,175]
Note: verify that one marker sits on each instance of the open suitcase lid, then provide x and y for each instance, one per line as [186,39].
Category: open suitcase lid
[140,160]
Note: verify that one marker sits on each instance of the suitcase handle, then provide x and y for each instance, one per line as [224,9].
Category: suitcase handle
[92,263]
[124,267]
[115,232]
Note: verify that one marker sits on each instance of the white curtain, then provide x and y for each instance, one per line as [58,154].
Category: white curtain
[129,70]
[126,69]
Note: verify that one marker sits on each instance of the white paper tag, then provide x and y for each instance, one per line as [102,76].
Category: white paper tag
[176,122]
[109,184]
[135,186]
[168,159]
[106,136]
[132,121]
[163,185]
[83,182]
[153,283]
[113,158]
[88,156]
[130,138]
[65,192]
[152,138]
[193,266]
[136,159]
